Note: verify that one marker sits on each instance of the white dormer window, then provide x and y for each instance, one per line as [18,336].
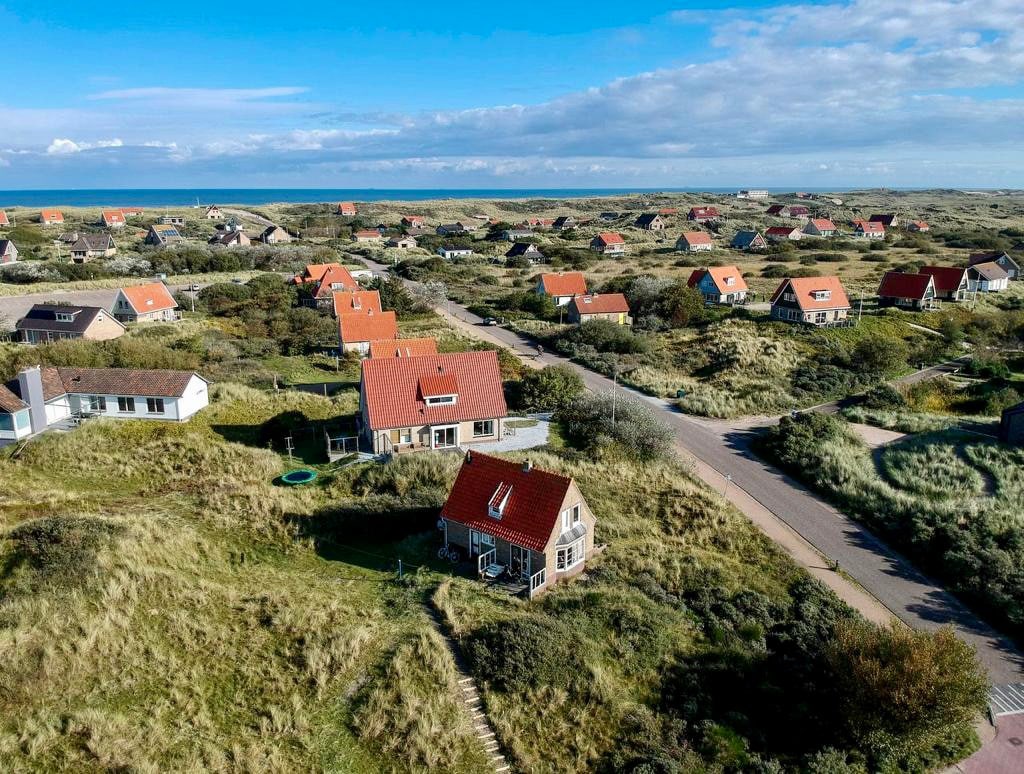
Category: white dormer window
[822,295]
[499,500]
[730,280]
[65,317]
[441,400]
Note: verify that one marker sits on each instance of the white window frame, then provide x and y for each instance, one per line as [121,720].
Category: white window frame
[435,428]
[441,400]
[97,402]
[489,423]
[577,514]
[125,404]
[575,552]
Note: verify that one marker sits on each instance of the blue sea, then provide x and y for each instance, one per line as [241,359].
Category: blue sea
[184,197]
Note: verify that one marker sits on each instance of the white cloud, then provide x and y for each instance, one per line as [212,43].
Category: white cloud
[61,147]
[840,88]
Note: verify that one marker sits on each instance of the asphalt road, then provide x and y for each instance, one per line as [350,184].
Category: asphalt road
[879,569]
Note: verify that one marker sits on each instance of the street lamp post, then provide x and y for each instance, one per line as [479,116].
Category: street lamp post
[728,480]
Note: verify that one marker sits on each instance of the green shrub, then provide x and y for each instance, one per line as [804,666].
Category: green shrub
[59,550]
[527,652]
[549,389]
[597,422]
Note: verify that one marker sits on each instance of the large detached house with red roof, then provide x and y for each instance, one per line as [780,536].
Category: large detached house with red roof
[51,217]
[4,220]
[608,243]
[151,302]
[812,300]
[562,286]
[820,227]
[950,281]
[703,214]
[357,330]
[335,279]
[512,516]
[869,229]
[918,226]
[604,306]
[347,209]
[693,242]
[719,284]
[783,234]
[113,219]
[431,401]
[908,291]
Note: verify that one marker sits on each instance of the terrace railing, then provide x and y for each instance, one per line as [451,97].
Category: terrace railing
[485,560]
[537,581]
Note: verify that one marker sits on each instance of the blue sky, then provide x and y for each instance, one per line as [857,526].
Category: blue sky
[862,92]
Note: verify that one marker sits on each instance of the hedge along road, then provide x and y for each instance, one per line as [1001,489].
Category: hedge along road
[811,531]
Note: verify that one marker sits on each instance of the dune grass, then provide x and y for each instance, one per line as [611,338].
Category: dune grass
[161,612]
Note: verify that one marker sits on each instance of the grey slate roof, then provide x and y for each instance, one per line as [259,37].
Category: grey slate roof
[92,242]
[43,317]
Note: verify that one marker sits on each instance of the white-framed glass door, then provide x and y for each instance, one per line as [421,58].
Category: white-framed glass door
[474,543]
[519,559]
[444,437]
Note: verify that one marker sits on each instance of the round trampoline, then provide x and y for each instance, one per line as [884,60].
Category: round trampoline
[298,477]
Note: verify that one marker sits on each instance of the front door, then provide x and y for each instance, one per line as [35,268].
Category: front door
[474,543]
[444,437]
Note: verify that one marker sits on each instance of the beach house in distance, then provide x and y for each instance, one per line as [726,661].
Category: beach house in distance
[42,397]
[511,515]
[431,402]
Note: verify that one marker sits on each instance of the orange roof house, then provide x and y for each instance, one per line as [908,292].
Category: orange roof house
[151,302]
[3,219]
[431,401]
[357,329]
[562,286]
[532,522]
[51,217]
[918,226]
[914,291]
[609,243]
[314,272]
[113,219]
[403,347]
[331,281]
[870,229]
[814,300]
[822,227]
[604,306]
[355,301]
[719,284]
[694,241]
[703,214]
[347,208]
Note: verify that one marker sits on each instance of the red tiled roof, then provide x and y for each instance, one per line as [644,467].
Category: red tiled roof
[805,287]
[403,347]
[780,231]
[54,215]
[356,327]
[605,303]
[151,297]
[368,233]
[391,389]
[336,275]
[3,218]
[533,507]
[775,209]
[113,216]
[349,301]
[870,226]
[947,278]
[704,212]
[569,283]
[346,207]
[315,271]
[798,209]
[696,237]
[919,224]
[823,224]
[610,238]
[668,211]
[896,284]
[435,385]
[719,275]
